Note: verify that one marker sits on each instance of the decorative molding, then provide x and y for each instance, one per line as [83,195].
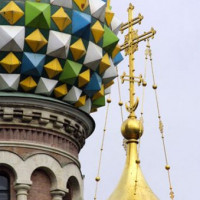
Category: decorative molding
[38,137]
[72,157]
[51,118]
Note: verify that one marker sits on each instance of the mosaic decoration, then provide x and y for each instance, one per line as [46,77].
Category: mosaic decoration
[36,40]
[61,19]
[64,49]
[10,63]
[28,84]
[78,49]
[9,82]
[60,91]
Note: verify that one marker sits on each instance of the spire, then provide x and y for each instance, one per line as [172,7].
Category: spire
[126,190]
[132,185]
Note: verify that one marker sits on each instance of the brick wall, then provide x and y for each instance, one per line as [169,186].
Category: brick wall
[41,186]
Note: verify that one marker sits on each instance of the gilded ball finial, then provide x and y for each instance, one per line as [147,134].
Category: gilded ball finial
[97,179]
[109,100]
[120,103]
[132,129]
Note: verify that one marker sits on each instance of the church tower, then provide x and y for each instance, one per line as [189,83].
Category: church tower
[57,63]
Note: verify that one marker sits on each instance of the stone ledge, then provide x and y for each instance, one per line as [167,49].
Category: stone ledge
[45,115]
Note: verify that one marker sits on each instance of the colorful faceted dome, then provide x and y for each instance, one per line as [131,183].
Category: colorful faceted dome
[63,49]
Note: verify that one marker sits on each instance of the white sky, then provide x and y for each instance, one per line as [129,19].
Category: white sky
[176,53]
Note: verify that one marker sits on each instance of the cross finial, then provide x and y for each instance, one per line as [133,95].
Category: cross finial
[132,39]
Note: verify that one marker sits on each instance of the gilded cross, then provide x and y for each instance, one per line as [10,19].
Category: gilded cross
[130,46]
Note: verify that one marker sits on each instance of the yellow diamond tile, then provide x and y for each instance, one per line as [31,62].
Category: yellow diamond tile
[116,51]
[84,78]
[12,12]
[10,63]
[104,64]
[108,84]
[61,19]
[81,101]
[109,16]
[99,94]
[78,49]
[28,84]
[53,68]
[97,31]
[93,110]
[60,91]
[36,40]
[82,4]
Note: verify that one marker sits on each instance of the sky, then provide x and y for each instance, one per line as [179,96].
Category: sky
[176,57]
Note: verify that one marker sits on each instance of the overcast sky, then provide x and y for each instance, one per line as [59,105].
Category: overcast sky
[176,55]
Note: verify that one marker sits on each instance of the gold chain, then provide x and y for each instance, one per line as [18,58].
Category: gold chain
[97,179]
[120,98]
[161,126]
[121,104]
[141,121]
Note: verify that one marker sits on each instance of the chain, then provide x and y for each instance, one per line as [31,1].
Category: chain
[120,98]
[97,179]
[121,104]
[141,121]
[161,126]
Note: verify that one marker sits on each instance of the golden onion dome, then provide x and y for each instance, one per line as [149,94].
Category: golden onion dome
[132,185]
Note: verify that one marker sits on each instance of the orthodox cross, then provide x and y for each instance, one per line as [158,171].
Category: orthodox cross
[130,46]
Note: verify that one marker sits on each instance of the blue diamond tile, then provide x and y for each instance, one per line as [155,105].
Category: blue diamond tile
[32,64]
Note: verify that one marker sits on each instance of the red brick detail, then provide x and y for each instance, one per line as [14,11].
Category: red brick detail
[39,136]
[25,153]
[10,174]
[40,188]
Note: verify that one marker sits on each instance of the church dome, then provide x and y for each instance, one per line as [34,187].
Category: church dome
[62,49]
